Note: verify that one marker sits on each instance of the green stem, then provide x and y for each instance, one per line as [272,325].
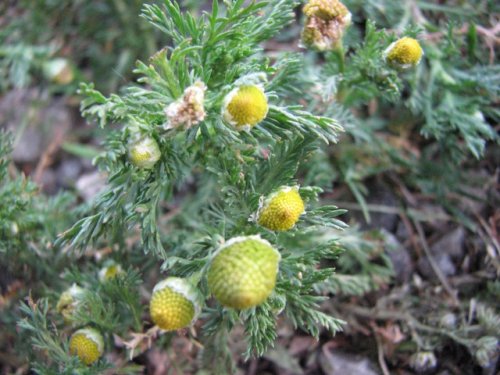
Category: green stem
[195,277]
[339,54]
[136,316]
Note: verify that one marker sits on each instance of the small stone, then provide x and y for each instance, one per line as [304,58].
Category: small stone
[402,232]
[42,119]
[48,182]
[380,195]
[446,251]
[91,184]
[444,263]
[399,256]
[68,171]
[335,362]
[29,147]
[302,344]
[451,243]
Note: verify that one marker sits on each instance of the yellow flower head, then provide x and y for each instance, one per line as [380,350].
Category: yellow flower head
[245,106]
[175,304]
[281,210]
[144,152]
[243,272]
[87,344]
[404,53]
[326,22]
[69,302]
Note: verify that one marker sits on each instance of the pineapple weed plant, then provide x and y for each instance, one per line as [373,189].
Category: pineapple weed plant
[204,180]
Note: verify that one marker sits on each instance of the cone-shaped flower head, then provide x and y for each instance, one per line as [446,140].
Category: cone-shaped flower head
[144,152]
[404,53]
[69,301]
[243,272]
[281,210]
[245,106]
[325,24]
[87,344]
[189,110]
[175,304]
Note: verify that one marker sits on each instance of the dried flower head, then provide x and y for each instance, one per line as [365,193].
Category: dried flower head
[189,110]
[325,24]
[404,53]
[325,9]
[281,210]
[245,106]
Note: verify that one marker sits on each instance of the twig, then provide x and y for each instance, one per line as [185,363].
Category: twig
[372,207]
[411,232]
[252,370]
[473,278]
[46,158]
[139,338]
[494,241]
[380,353]
[413,213]
[433,264]
[402,317]
[12,171]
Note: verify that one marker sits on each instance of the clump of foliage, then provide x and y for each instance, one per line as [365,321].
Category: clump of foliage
[423,123]
[98,41]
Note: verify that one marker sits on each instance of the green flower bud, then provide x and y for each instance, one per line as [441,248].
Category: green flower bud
[144,152]
[110,271]
[69,301]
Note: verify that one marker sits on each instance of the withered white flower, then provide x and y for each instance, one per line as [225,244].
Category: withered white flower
[189,110]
